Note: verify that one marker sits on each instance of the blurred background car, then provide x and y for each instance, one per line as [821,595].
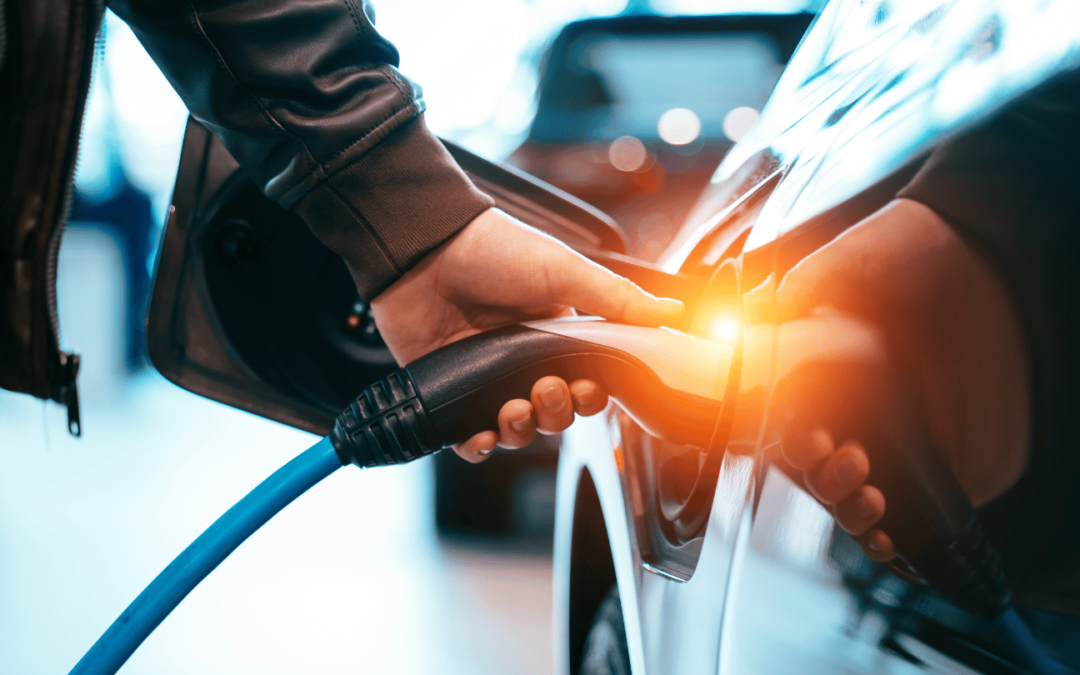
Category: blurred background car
[634,112]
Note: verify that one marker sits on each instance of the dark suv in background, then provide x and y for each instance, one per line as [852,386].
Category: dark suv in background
[635,112]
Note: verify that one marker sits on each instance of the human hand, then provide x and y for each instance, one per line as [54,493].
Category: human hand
[497,272]
[947,322]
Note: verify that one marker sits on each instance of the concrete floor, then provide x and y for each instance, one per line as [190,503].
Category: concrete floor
[351,578]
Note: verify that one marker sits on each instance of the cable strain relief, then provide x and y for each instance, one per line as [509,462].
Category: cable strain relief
[968,572]
[386,424]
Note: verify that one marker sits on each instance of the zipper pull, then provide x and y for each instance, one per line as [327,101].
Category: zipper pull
[69,391]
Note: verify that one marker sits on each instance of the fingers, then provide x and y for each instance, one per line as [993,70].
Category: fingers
[595,290]
[878,547]
[861,510]
[553,406]
[830,276]
[836,477]
[889,253]
[813,282]
[589,398]
[840,475]
[831,474]
[805,449]
[478,448]
[551,410]
[517,426]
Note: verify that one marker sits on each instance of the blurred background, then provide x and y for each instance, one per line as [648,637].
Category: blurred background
[632,115]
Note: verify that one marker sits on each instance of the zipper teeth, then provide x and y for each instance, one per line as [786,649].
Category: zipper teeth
[3,33]
[68,194]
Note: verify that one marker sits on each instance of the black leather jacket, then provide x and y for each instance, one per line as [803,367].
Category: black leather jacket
[306,96]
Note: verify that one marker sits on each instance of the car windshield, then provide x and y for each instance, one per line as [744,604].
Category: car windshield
[709,76]
[619,84]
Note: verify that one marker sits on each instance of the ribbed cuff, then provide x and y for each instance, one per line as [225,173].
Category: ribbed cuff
[391,207]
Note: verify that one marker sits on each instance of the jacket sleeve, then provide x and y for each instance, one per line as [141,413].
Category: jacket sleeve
[307,98]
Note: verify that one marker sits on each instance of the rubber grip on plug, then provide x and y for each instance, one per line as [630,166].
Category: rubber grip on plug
[386,424]
[456,391]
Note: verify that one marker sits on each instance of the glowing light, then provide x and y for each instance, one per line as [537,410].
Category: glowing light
[679,126]
[739,121]
[723,328]
[627,153]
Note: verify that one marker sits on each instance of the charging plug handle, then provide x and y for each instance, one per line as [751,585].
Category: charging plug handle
[447,396]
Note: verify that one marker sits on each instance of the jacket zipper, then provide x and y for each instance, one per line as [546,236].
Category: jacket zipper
[3,33]
[64,382]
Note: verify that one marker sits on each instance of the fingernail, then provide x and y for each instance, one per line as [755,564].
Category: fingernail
[553,397]
[486,451]
[670,304]
[522,423]
[847,469]
[872,545]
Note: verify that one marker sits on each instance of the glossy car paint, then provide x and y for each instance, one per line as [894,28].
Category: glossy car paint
[873,87]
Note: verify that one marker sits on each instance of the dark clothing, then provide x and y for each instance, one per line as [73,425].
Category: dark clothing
[305,95]
[45,56]
[1012,189]
[307,98]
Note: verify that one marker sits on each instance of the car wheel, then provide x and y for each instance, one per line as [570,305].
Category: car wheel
[606,651]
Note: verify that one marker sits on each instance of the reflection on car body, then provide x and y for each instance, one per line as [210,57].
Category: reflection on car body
[768,583]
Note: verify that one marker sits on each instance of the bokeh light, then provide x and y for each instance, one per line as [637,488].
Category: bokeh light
[679,126]
[739,121]
[627,153]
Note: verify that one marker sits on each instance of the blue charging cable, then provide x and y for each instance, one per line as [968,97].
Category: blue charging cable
[385,425]
[199,559]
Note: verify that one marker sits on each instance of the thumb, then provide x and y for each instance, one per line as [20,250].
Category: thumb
[848,272]
[802,289]
[593,289]
[833,275]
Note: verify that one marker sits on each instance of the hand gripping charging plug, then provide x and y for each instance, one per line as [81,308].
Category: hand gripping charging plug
[672,383]
[834,372]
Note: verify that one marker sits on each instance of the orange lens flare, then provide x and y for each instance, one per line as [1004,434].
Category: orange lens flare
[724,329]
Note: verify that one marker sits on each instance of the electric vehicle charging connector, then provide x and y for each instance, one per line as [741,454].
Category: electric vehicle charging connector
[671,383]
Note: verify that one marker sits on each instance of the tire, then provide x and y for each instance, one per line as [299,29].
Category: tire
[606,651]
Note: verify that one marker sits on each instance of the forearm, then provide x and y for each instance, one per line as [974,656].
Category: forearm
[307,98]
